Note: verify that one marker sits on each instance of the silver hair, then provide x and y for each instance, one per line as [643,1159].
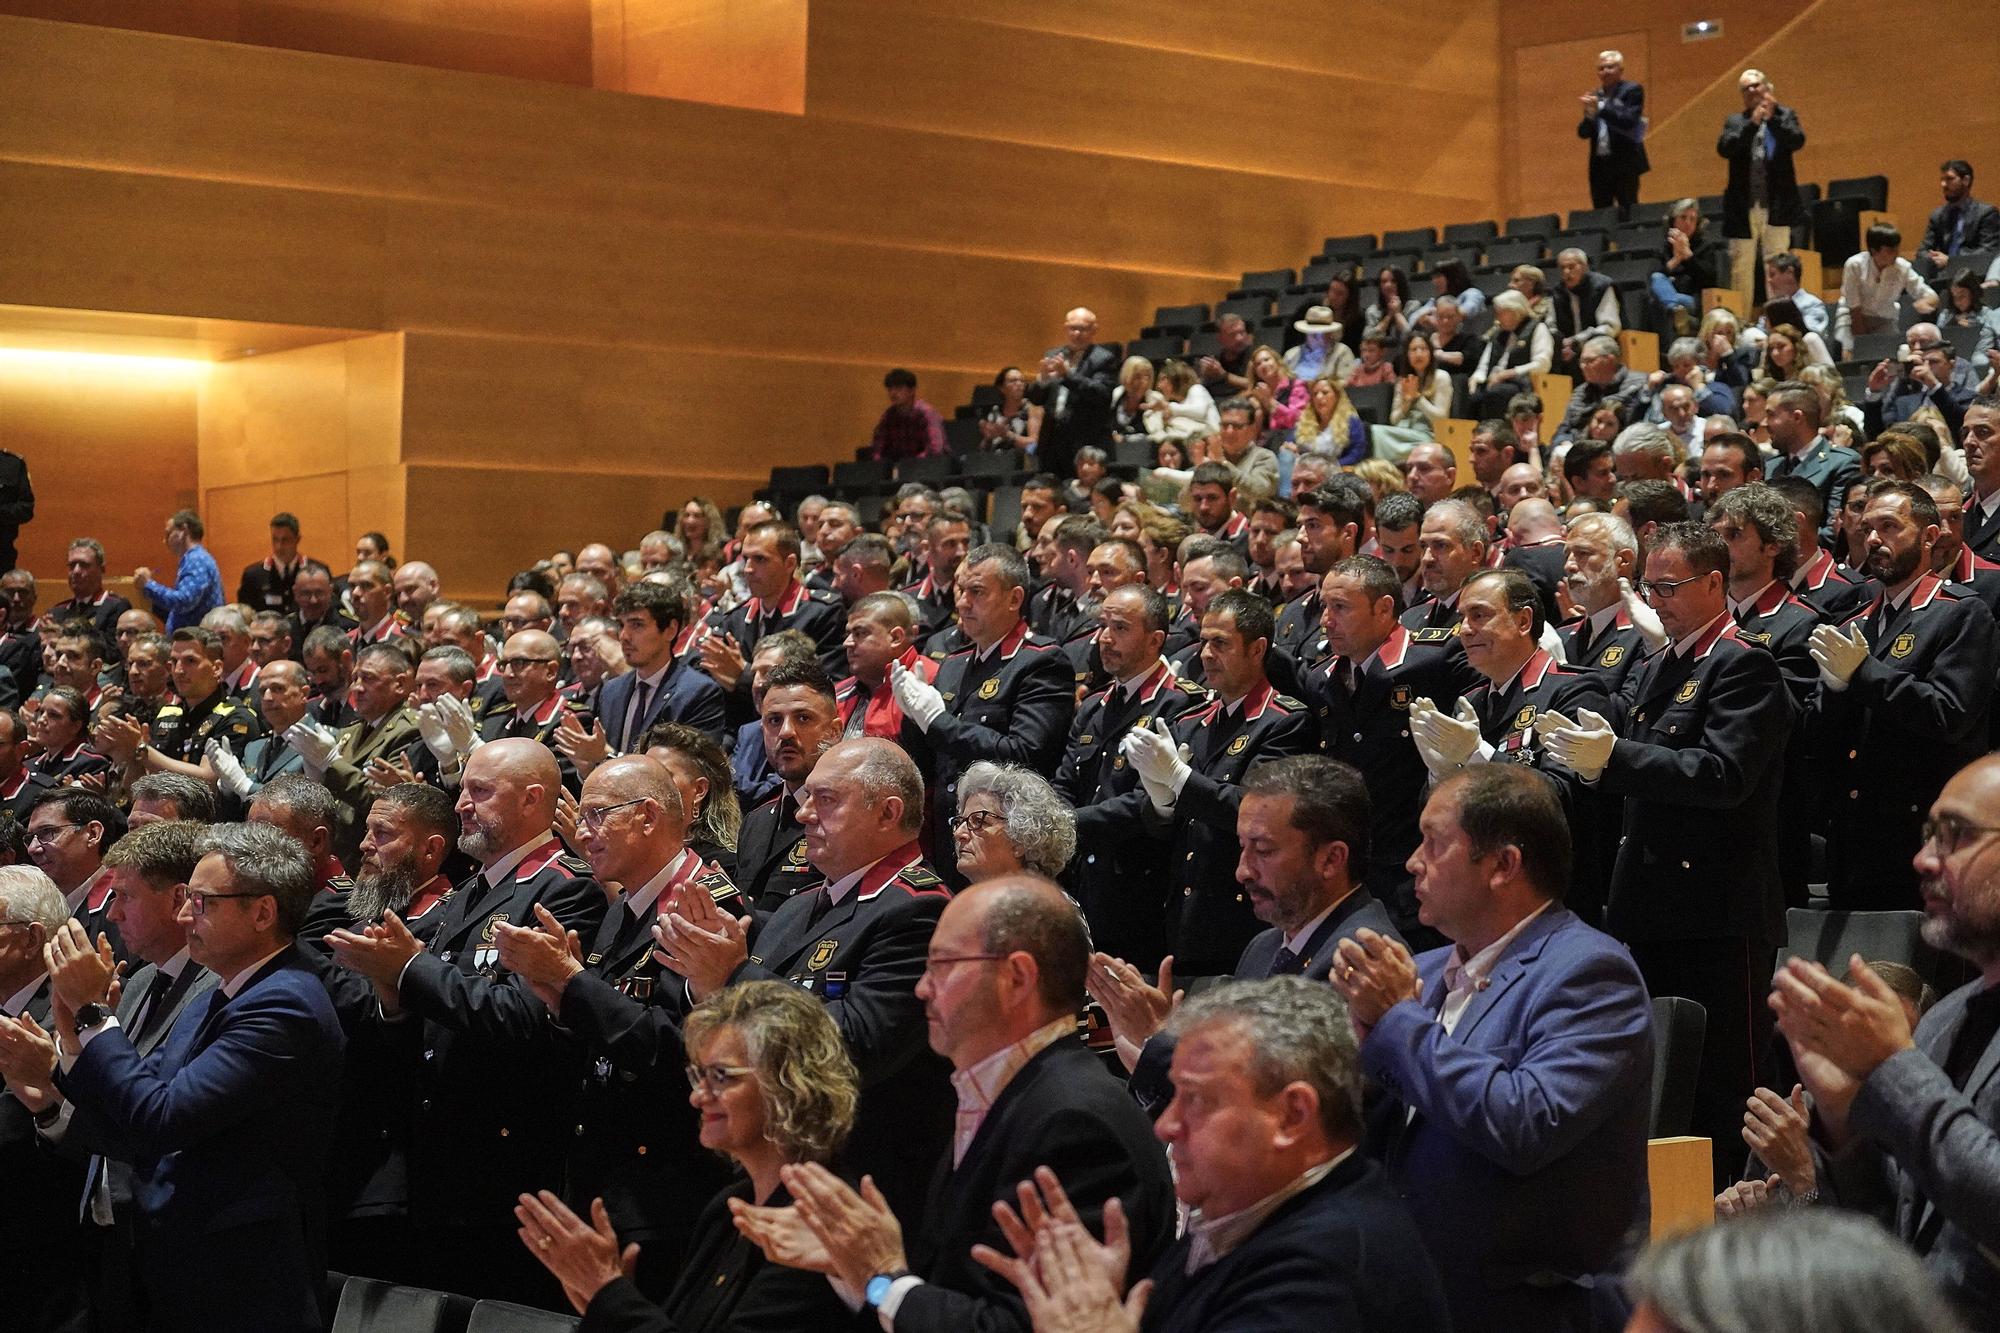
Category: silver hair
[1602,344]
[264,860]
[1815,1268]
[1296,1031]
[28,895]
[1644,438]
[884,769]
[1468,525]
[192,798]
[1573,253]
[226,619]
[1617,529]
[1041,827]
[1514,301]
[1684,349]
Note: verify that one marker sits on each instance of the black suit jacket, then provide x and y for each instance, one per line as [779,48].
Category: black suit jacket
[1342,1256]
[1981,231]
[685,694]
[771,862]
[1065,1111]
[1077,407]
[1781,178]
[1623,109]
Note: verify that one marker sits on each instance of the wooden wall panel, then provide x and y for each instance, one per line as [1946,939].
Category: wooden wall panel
[110,451]
[1545,165]
[747,53]
[530,39]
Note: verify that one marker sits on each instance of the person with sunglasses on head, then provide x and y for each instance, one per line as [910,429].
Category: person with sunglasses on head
[1694,743]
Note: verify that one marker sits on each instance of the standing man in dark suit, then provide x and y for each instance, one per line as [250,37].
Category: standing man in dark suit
[491,1116]
[1614,124]
[225,1123]
[1290,1226]
[1515,1066]
[1073,388]
[40,1260]
[1761,204]
[267,585]
[1001,988]
[1961,223]
[1913,1120]
[149,869]
[1008,698]
[1695,745]
[1304,828]
[1904,701]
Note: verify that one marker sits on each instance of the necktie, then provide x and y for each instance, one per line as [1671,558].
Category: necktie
[822,904]
[1957,235]
[1284,963]
[153,1007]
[635,720]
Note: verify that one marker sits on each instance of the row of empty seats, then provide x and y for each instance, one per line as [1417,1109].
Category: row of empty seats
[369,1306]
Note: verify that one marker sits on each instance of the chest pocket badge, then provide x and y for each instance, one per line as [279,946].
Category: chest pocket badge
[822,954]
[1239,745]
[1687,693]
[1612,656]
[1904,645]
[797,855]
[991,689]
[1525,718]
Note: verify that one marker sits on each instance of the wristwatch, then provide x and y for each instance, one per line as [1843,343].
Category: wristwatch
[91,1015]
[878,1286]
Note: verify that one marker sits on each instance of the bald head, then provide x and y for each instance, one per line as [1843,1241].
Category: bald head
[1028,914]
[507,797]
[630,821]
[634,777]
[1533,520]
[416,588]
[1520,482]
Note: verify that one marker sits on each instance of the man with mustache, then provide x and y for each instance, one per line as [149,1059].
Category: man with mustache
[1600,556]
[1904,696]
[800,720]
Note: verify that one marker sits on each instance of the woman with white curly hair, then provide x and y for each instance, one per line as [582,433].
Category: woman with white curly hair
[1010,820]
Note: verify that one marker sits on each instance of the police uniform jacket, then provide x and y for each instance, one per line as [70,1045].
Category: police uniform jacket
[1507,712]
[1118,873]
[863,956]
[1369,727]
[1699,758]
[19,796]
[818,614]
[267,585]
[1300,639]
[1827,466]
[21,654]
[1782,625]
[936,604]
[346,773]
[538,724]
[1208,913]
[1979,575]
[1611,649]
[73,764]
[1436,613]
[1820,584]
[1053,612]
[102,611]
[1010,705]
[494,1090]
[771,863]
[182,730]
[1915,713]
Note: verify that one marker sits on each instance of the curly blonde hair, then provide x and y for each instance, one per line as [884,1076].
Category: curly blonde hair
[810,1084]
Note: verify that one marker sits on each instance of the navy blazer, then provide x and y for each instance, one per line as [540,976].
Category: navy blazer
[225,1125]
[686,694]
[1624,112]
[1338,1257]
[1525,1162]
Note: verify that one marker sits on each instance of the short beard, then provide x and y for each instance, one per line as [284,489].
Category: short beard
[1977,943]
[479,843]
[381,891]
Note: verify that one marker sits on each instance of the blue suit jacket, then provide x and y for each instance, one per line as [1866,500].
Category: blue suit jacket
[225,1124]
[1526,1158]
[686,694]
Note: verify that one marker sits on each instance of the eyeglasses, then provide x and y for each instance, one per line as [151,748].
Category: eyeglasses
[979,821]
[939,962]
[1949,835]
[712,1079]
[1667,589]
[198,902]
[48,833]
[523,663]
[593,818]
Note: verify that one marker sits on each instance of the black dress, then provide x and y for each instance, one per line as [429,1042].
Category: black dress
[726,1287]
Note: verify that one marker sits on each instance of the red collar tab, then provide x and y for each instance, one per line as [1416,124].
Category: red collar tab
[539,859]
[886,869]
[1392,649]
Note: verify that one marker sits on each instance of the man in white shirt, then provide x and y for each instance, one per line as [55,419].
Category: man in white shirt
[1873,283]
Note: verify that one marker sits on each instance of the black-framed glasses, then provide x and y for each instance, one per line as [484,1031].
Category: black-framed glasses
[1667,589]
[15,921]
[523,663]
[593,818]
[713,1079]
[978,821]
[939,962]
[1949,835]
[198,902]
[48,833]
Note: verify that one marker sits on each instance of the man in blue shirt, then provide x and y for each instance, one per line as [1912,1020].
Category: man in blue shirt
[197,587]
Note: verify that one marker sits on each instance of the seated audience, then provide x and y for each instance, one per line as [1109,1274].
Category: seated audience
[1687,264]
[1518,348]
[1328,425]
[909,427]
[1873,286]
[1322,352]
[1013,422]
[1010,821]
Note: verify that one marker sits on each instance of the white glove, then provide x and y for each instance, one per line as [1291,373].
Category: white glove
[314,742]
[460,727]
[1162,767]
[229,774]
[1839,655]
[1644,618]
[1448,742]
[917,697]
[1583,746]
[437,737]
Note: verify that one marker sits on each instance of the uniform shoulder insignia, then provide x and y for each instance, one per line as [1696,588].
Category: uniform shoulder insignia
[821,595]
[921,878]
[1288,703]
[1435,634]
[1194,688]
[168,710]
[1752,636]
[577,867]
[340,884]
[716,880]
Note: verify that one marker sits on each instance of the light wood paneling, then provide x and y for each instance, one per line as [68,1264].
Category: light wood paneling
[1547,81]
[111,452]
[530,39]
[747,53]
[1681,1175]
